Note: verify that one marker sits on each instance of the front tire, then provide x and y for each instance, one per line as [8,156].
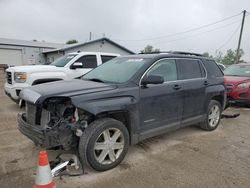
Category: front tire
[213,116]
[104,144]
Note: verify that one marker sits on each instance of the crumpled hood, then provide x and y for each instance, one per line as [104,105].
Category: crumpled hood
[35,68]
[38,93]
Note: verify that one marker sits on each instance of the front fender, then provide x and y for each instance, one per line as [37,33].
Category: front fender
[98,106]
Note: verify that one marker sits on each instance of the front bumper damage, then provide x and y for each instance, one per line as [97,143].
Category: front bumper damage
[34,133]
[47,138]
[65,163]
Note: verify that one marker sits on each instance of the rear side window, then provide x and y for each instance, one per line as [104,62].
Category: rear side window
[189,69]
[88,61]
[106,58]
[212,68]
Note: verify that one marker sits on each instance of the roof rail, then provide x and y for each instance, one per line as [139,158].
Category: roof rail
[175,52]
[157,52]
[186,53]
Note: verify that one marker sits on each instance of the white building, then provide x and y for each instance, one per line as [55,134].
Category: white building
[23,52]
[99,45]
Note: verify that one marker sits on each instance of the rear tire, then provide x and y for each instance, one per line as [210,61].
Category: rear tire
[104,144]
[213,116]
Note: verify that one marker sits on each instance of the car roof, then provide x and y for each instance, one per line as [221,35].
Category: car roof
[168,55]
[87,52]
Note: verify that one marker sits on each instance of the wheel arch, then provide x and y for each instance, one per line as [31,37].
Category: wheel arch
[120,115]
[217,93]
[219,98]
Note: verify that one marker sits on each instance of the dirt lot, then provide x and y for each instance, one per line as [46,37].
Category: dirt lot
[186,158]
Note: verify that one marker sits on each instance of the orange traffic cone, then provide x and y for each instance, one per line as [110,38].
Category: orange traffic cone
[43,173]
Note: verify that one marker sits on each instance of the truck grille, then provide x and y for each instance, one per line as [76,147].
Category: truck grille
[9,77]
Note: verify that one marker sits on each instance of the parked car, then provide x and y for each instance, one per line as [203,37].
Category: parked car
[67,67]
[237,81]
[122,102]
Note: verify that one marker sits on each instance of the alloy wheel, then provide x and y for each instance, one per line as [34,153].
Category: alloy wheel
[109,146]
[214,116]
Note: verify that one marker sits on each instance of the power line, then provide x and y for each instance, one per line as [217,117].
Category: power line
[179,33]
[229,39]
[198,34]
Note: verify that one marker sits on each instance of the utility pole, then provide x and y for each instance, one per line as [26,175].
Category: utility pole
[241,30]
[90,36]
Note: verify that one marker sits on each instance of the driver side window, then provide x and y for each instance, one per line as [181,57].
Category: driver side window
[165,68]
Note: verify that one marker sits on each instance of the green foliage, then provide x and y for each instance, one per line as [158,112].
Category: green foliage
[149,49]
[206,54]
[228,58]
[73,41]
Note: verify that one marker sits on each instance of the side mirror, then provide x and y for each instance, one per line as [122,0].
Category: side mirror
[152,79]
[77,65]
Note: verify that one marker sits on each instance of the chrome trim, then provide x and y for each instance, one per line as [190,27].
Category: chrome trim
[176,69]
[9,77]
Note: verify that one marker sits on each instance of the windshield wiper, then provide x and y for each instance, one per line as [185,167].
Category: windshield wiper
[95,80]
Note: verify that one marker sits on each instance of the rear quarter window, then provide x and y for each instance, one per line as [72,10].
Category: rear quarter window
[212,68]
[189,69]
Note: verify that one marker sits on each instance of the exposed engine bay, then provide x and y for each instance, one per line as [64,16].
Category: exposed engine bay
[61,122]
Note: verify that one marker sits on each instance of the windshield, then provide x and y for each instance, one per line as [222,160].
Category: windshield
[117,70]
[62,61]
[238,70]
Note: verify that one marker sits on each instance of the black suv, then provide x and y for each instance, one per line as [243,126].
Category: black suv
[122,102]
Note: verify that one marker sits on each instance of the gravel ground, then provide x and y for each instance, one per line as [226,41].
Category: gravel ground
[188,157]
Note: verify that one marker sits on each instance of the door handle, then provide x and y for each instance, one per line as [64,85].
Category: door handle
[206,83]
[176,87]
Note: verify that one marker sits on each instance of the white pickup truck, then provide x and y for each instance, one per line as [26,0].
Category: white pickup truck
[68,67]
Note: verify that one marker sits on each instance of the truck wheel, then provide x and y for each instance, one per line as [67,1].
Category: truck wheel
[104,144]
[213,116]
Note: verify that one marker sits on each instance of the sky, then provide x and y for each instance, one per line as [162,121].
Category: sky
[164,24]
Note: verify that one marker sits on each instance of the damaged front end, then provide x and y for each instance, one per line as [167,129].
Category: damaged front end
[56,124]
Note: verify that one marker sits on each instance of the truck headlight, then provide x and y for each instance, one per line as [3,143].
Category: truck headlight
[244,85]
[20,77]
